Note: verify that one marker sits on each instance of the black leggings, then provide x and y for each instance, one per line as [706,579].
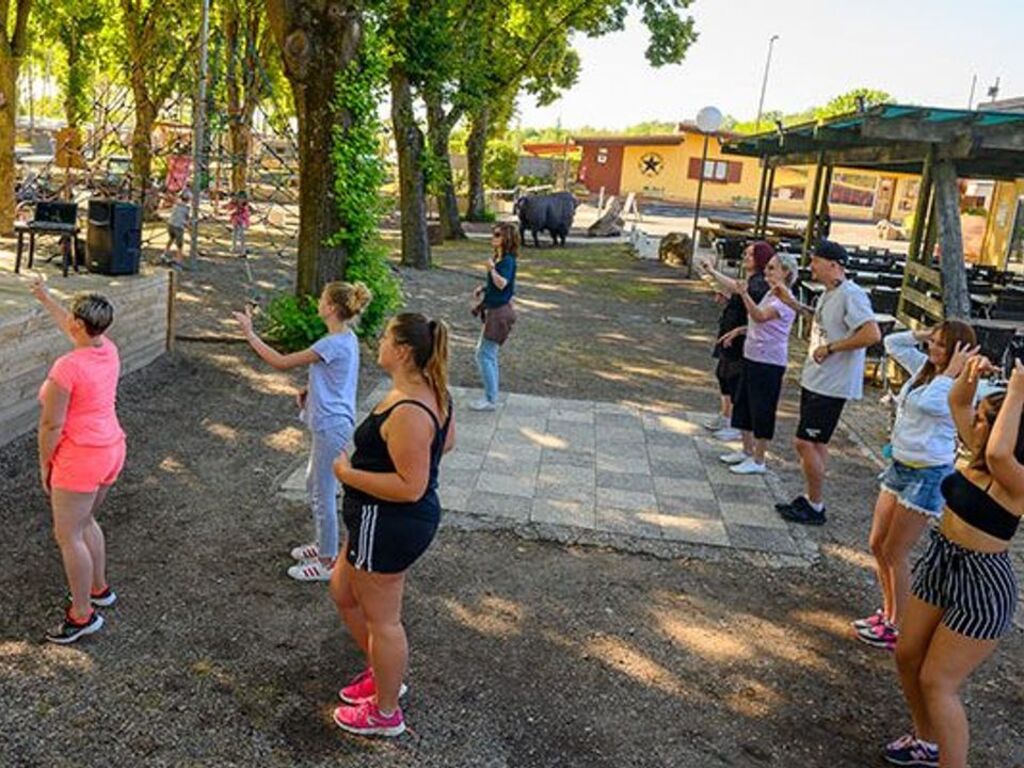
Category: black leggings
[757,398]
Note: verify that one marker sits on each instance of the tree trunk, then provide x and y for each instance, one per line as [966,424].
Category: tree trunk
[142,152]
[9,94]
[956,300]
[476,146]
[317,39]
[439,130]
[411,180]
[77,76]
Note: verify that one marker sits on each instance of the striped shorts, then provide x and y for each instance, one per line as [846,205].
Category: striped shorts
[383,539]
[976,590]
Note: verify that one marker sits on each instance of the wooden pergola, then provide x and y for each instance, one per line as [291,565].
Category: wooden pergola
[940,145]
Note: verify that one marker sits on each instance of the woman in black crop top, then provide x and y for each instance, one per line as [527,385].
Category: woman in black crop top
[964,591]
[391,513]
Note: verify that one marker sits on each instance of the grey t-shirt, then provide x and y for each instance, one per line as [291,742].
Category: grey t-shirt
[837,314]
[179,215]
[331,401]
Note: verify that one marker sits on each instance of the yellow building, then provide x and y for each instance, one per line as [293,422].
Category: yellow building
[668,167]
[1003,246]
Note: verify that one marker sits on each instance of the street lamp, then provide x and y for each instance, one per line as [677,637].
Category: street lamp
[764,82]
[709,120]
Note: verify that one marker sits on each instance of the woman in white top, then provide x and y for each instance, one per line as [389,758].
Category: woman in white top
[923,450]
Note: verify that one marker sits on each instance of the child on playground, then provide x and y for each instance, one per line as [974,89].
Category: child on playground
[328,409]
[176,229]
[239,211]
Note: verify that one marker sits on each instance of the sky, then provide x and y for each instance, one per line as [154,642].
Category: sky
[920,51]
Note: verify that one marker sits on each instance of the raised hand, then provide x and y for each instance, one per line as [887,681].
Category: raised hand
[244,319]
[39,289]
[962,354]
[1016,385]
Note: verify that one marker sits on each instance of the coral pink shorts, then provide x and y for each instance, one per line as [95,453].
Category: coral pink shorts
[84,468]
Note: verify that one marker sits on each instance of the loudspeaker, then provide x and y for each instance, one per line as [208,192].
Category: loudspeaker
[114,237]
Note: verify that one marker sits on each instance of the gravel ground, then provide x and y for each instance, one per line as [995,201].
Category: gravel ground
[523,653]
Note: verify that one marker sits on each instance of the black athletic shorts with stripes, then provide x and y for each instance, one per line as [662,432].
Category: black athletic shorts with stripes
[976,590]
[388,538]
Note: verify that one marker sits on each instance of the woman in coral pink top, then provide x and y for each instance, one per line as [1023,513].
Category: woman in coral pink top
[81,452]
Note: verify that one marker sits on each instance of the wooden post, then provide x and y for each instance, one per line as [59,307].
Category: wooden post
[760,193]
[172,290]
[696,209]
[930,232]
[767,202]
[956,301]
[921,211]
[812,210]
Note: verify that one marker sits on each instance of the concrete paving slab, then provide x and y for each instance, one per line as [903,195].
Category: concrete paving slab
[625,474]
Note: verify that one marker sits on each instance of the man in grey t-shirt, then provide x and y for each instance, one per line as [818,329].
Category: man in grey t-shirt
[843,328]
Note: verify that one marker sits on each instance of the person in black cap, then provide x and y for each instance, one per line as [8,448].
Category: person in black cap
[843,328]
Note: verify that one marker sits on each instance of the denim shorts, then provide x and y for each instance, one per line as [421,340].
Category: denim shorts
[916,489]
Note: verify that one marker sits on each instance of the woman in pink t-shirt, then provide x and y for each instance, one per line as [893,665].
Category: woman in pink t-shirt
[81,452]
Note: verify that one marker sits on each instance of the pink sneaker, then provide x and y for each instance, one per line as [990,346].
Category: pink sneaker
[873,620]
[363,689]
[882,635]
[366,720]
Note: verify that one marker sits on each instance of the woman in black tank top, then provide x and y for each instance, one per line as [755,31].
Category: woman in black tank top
[391,513]
[964,590]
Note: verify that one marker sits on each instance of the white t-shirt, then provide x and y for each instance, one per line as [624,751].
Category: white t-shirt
[837,314]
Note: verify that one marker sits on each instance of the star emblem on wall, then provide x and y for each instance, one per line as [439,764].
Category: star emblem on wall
[651,164]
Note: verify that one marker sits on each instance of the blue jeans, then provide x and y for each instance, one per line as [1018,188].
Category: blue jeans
[322,486]
[487,362]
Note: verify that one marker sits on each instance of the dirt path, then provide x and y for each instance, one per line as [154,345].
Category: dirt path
[523,653]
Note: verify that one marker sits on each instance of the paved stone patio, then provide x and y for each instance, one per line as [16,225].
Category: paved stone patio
[604,473]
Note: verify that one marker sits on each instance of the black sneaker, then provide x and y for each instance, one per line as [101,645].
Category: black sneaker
[104,599]
[782,506]
[802,512]
[69,631]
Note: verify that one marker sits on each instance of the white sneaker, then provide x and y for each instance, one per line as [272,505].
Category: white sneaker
[306,552]
[727,433]
[314,570]
[736,457]
[716,422]
[748,467]
[482,405]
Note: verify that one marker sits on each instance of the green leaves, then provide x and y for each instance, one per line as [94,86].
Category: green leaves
[359,173]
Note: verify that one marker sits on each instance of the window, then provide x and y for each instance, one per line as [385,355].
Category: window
[717,171]
[602,155]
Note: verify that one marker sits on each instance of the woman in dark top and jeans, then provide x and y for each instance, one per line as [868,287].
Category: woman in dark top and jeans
[391,512]
[964,591]
[734,315]
[495,302]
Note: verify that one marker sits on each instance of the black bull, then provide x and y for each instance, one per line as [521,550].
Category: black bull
[553,212]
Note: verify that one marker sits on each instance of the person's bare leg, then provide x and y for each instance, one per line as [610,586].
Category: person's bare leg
[814,471]
[748,442]
[348,603]
[880,522]
[380,595]
[951,659]
[726,407]
[906,528]
[760,449]
[96,542]
[71,513]
[919,625]
[816,477]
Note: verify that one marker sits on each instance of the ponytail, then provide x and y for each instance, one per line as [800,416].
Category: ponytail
[436,369]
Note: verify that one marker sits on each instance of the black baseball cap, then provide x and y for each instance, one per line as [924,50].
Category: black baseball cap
[826,249]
